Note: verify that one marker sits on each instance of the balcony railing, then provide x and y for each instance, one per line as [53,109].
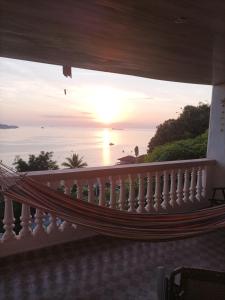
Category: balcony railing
[155,188]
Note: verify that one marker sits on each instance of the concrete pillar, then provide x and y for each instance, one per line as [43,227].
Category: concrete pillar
[216,140]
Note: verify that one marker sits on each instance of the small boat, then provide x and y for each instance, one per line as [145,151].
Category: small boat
[111,144]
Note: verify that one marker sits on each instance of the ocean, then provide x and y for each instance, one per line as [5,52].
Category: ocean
[91,143]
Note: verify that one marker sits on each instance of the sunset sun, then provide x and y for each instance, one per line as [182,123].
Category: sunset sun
[107,107]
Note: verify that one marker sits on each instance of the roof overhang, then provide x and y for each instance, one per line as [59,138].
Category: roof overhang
[168,40]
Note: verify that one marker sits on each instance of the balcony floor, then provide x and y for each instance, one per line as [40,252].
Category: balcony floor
[104,268]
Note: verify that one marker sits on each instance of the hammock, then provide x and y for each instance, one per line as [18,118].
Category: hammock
[107,221]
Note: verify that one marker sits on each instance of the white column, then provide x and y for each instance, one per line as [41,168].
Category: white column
[216,140]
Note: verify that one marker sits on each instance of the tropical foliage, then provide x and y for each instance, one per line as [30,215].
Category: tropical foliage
[74,162]
[178,150]
[43,161]
[193,121]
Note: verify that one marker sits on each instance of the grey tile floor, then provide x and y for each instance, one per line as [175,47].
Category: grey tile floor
[104,268]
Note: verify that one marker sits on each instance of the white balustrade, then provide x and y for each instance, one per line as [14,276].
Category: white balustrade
[8,220]
[179,187]
[193,185]
[141,199]
[101,183]
[112,201]
[173,202]
[199,185]
[131,198]
[186,186]
[122,200]
[149,196]
[139,188]
[165,193]
[25,222]
[157,195]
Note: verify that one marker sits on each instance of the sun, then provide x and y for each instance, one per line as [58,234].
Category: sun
[107,105]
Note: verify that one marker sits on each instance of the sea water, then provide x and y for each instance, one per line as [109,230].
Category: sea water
[97,146]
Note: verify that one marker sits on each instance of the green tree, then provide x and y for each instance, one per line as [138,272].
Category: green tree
[43,161]
[74,162]
[193,121]
[179,150]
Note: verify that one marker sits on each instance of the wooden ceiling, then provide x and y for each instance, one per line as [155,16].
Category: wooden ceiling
[178,40]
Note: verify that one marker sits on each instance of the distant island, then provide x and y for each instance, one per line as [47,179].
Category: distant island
[4,126]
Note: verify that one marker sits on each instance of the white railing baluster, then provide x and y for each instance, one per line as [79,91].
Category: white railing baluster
[79,189]
[122,200]
[186,186]
[39,229]
[149,197]
[165,193]
[8,220]
[157,195]
[179,187]
[67,190]
[131,198]
[193,185]
[112,201]
[101,182]
[172,192]
[141,197]
[25,222]
[199,185]
[90,191]
[52,227]
[204,174]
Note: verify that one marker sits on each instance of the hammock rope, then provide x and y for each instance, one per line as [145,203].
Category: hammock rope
[108,221]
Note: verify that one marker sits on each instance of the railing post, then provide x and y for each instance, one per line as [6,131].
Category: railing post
[149,197]
[165,193]
[172,192]
[25,222]
[131,194]
[157,195]
[141,197]
[186,186]
[101,183]
[122,193]
[199,185]
[112,201]
[8,220]
[193,185]
[179,187]
[90,191]
[39,229]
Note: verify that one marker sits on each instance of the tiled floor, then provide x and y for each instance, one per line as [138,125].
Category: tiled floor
[104,268]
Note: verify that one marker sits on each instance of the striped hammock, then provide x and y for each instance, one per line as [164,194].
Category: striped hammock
[107,221]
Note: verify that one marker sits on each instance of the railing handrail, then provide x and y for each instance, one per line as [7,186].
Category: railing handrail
[95,172]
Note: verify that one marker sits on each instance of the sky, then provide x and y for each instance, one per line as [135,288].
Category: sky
[32,94]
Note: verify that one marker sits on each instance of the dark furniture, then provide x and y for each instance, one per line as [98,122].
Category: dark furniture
[195,284]
[214,200]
